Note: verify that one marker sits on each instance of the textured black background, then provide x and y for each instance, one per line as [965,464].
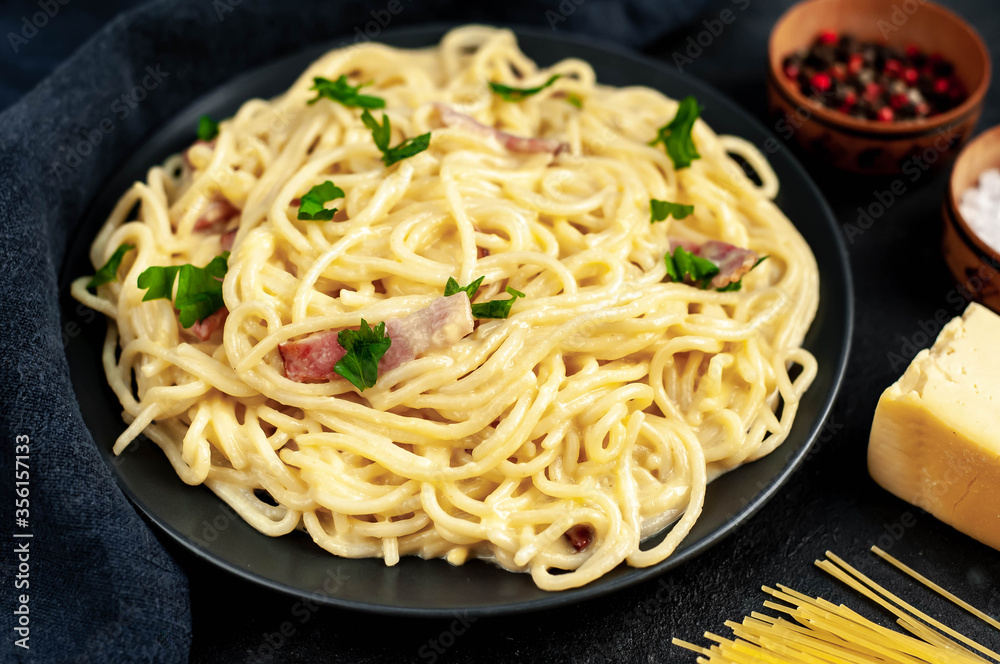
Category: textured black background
[831,503]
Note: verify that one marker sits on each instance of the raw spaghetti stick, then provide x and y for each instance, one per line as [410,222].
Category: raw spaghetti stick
[862,579]
[935,587]
[825,633]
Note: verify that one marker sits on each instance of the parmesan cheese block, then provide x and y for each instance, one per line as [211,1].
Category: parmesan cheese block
[935,441]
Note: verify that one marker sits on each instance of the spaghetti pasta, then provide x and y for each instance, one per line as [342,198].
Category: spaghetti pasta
[606,400]
[824,632]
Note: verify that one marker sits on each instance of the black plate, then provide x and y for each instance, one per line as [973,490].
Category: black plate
[293,564]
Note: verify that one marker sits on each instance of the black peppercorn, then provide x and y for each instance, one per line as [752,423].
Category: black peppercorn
[874,81]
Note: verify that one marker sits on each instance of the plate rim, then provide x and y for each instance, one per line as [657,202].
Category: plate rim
[590,591]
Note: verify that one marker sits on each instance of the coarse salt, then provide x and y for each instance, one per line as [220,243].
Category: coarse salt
[980,207]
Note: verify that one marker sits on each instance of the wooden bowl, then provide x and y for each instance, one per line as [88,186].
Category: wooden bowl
[974,264]
[869,146]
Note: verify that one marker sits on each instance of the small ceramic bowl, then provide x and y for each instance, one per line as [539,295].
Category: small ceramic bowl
[974,264]
[870,146]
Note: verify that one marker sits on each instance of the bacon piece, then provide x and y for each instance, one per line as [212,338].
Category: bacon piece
[204,329]
[228,238]
[580,536]
[519,144]
[439,325]
[311,358]
[218,211]
[733,261]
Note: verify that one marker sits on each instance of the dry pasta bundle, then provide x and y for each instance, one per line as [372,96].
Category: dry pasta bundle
[816,631]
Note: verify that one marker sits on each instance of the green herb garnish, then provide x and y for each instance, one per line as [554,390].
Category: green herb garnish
[199,289]
[676,135]
[365,347]
[491,309]
[158,282]
[343,92]
[574,100]
[508,93]
[452,287]
[109,271]
[207,128]
[381,134]
[685,266]
[496,308]
[660,210]
[311,205]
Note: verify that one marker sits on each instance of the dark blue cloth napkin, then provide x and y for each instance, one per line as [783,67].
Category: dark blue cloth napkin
[92,583]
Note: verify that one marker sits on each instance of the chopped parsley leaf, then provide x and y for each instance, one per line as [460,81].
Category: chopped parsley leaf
[496,308]
[686,266]
[381,134]
[207,128]
[199,289]
[660,210]
[109,271]
[365,347]
[676,135]
[343,92]
[508,93]
[491,309]
[452,287]
[311,205]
